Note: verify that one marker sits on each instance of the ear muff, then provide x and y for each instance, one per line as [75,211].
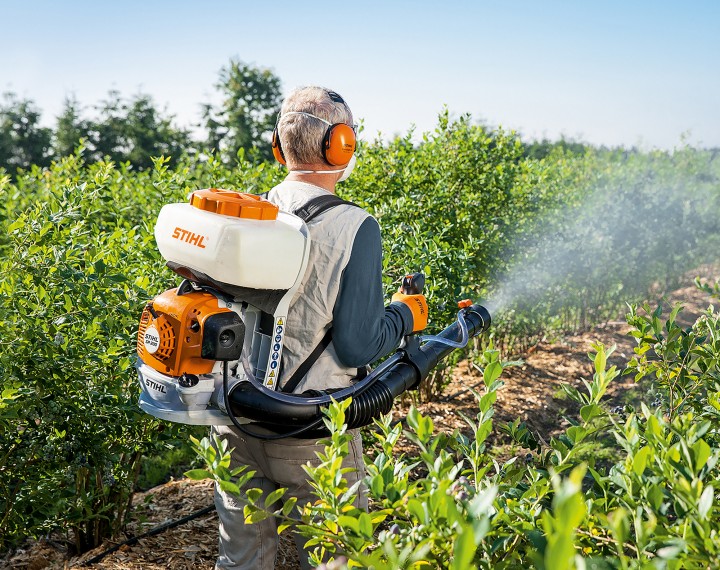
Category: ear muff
[338,144]
[276,148]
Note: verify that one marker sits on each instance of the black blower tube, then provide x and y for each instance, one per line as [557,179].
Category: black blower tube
[371,402]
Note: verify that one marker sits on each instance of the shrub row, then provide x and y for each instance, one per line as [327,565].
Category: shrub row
[464,205]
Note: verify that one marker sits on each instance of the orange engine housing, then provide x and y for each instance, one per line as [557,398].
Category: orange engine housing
[171,331]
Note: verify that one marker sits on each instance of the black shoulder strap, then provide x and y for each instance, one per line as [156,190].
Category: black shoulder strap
[318,205]
[304,368]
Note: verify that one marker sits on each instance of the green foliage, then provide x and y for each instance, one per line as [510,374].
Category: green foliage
[251,103]
[23,142]
[78,263]
[70,128]
[544,148]
[464,205]
[166,464]
[455,506]
[72,277]
[132,130]
[135,130]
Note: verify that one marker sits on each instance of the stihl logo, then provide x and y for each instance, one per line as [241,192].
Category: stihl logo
[155,385]
[189,237]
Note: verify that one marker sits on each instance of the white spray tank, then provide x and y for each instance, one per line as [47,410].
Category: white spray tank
[249,258]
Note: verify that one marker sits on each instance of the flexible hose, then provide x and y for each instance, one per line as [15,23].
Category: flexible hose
[406,369]
[462,343]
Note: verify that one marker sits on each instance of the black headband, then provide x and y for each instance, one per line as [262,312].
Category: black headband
[335,97]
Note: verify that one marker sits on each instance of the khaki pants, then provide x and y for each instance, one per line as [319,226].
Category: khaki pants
[277,464]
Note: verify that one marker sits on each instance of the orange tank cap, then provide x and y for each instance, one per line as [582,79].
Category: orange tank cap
[464,304]
[231,203]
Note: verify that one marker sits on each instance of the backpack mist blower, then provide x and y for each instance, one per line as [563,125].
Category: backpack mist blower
[210,350]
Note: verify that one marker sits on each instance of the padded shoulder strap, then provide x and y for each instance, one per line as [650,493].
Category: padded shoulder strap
[318,205]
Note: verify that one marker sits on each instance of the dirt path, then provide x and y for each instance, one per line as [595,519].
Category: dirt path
[531,392]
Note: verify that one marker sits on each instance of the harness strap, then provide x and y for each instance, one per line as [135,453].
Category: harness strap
[304,368]
[318,205]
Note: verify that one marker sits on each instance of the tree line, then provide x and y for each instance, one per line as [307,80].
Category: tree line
[135,129]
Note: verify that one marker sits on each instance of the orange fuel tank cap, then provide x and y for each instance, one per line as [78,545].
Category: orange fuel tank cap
[231,203]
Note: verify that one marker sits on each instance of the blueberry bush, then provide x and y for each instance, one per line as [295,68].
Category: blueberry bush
[469,207]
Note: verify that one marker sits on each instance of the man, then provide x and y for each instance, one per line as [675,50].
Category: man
[341,292]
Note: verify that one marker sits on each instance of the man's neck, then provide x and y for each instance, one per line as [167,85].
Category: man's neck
[325,181]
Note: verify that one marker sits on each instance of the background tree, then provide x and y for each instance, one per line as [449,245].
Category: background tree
[542,149]
[70,128]
[251,102]
[23,142]
[133,130]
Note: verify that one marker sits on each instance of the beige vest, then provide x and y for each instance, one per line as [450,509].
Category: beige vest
[311,310]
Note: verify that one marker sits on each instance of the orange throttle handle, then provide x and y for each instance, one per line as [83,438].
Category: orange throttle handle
[410,294]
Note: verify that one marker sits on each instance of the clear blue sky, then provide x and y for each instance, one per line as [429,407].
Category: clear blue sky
[609,72]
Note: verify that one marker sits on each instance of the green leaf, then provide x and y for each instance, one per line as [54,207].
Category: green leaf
[413,417]
[590,411]
[640,460]
[352,523]
[288,505]
[17,224]
[229,487]
[706,501]
[492,372]
[366,527]
[274,496]
[463,549]
[198,474]
[253,494]
[656,496]
[701,453]
[600,360]
[255,516]
[283,527]
[416,509]
[377,486]
[576,434]
[487,401]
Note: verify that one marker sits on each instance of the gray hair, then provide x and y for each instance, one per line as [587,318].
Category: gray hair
[301,136]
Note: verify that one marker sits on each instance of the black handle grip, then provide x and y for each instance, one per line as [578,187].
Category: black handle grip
[413,284]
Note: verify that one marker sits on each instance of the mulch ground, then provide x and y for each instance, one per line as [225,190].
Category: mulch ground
[531,392]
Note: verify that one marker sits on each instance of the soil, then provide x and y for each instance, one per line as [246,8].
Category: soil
[531,392]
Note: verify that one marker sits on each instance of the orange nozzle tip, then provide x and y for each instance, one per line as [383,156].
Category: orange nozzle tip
[464,304]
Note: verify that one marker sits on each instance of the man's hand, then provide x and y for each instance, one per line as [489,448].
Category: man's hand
[418,307]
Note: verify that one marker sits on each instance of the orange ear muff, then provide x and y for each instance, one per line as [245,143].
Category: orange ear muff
[338,145]
[276,148]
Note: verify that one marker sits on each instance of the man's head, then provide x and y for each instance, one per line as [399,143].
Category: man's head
[303,129]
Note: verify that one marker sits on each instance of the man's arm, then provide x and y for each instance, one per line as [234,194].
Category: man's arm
[364,329]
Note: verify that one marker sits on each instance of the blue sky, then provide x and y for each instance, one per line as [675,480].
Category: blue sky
[609,72]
